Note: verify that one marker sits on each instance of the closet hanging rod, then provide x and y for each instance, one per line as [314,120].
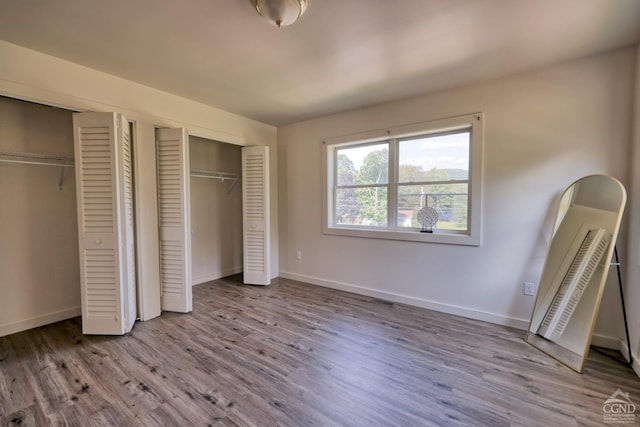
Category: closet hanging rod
[40,160]
[28,162]
[222,176]
[36,159]
[215,175]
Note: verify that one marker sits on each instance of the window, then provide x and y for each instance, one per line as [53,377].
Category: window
[376,183]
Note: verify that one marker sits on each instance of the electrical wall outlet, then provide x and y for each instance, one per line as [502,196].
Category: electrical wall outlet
[298,255]
[529,288]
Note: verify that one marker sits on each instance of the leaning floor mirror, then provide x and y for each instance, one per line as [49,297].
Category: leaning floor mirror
[575,269]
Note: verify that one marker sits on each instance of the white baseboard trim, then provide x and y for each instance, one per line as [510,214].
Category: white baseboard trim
[417,302]
[625,352]
[45,319]
[605,341]
[204,278]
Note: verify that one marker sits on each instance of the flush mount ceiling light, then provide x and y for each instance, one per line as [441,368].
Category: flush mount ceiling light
[280,12]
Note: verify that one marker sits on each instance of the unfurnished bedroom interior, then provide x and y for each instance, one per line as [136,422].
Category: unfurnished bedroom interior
[320,213]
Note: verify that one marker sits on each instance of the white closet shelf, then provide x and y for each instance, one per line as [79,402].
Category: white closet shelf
[222,176]
[40,160]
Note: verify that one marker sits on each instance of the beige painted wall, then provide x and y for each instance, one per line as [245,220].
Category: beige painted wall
[632,276]
[216,213]
[27,74]
[543,129]
[39,270]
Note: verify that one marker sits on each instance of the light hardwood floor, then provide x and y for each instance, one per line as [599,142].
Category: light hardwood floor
[294,354]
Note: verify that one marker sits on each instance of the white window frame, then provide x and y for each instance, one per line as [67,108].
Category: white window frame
[472,237]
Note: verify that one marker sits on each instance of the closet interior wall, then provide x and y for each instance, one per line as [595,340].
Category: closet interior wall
[216,210]
[39,268]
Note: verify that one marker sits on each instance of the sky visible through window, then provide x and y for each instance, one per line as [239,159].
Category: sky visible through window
[442,152]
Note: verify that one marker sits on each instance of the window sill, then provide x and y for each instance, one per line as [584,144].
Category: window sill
[438,236]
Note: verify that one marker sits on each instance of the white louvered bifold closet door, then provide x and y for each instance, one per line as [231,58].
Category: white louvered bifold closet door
[585,262]
[105,223]
[174,219]
[255,210]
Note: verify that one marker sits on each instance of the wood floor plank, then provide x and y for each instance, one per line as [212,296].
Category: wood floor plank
[293,354]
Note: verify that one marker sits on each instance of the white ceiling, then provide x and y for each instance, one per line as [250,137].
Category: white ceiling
[341,55]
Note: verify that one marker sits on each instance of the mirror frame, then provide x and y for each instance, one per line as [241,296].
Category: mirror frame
[579,205]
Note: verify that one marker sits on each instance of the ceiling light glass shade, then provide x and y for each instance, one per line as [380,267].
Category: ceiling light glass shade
[280,12]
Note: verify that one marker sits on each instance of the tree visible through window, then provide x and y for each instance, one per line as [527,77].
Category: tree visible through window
[362,191]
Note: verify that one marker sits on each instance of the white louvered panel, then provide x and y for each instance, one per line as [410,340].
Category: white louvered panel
[100,275]
[569,278]
[578,276]
[254,188]
[174,219]
[598,244]
[255,251]
[127,166]
[173,267]
[554,313]
[96,179]
[105,222]
[255,207]
[169,184]
[128,181]
[130,253]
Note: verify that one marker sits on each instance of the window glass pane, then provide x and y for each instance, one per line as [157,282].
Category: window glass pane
[450,200]
[361,206]
[365,164]
[434,158]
